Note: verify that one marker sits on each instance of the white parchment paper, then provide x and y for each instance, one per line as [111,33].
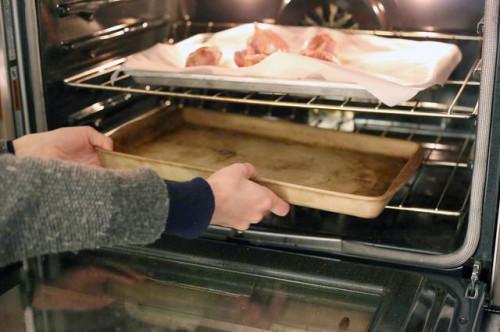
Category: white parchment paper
[393,70]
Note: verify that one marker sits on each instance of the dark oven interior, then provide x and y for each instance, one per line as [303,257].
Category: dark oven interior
[429,215]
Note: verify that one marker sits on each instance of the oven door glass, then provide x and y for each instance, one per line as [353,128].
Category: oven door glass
[209,286]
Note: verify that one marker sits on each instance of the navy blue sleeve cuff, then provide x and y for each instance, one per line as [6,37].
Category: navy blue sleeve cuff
[191,208]
[10,147]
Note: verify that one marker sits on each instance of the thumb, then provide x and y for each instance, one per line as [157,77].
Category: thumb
[279,207]
[99,140]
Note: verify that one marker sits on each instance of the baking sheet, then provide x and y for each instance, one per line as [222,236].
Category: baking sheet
[390,69]
[334,171]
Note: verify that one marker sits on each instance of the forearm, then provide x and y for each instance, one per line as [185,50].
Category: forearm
[49,206]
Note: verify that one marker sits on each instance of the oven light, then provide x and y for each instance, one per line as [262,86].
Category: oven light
[284,5]
[429,28]
[379,10]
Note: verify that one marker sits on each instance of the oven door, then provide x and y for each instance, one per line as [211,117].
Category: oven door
[205,285]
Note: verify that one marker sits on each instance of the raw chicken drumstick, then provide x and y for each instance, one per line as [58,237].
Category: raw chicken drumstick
[262,44]
[204,56]
[321,46]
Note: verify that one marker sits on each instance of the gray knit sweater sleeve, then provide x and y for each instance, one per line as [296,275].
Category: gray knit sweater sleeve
[51,206]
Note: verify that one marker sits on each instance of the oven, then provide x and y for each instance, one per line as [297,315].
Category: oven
[428,262]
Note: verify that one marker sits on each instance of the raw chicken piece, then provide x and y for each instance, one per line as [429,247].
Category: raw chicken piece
[266,42]
[204,56]
[321,46]
[262,44]
[247,58]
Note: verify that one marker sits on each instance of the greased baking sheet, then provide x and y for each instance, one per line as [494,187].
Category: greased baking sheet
[340,172]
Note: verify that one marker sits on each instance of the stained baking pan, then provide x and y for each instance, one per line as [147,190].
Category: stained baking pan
[324,169]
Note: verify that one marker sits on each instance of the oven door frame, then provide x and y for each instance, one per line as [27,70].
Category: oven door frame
[491,232]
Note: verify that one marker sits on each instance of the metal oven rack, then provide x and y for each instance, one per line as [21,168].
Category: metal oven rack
[448,154]
[442,185]
[101,79]
[457,103]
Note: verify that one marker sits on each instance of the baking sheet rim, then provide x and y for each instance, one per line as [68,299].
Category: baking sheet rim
[329,90]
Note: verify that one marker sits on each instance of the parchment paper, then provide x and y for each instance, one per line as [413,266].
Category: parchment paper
[393,70]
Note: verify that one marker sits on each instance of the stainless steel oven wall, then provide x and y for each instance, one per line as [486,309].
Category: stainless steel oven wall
[16,80]
[420,15]
[76,35]
[6,114]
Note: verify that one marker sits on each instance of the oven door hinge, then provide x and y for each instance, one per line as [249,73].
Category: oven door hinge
[472,290]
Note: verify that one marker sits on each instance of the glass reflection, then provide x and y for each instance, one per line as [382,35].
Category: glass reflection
[113,298]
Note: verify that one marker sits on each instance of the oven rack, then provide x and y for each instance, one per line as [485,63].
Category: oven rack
[461,101]
[443,180]
[109,78]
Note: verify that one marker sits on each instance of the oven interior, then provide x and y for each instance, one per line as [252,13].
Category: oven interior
[83,44]
[266,278]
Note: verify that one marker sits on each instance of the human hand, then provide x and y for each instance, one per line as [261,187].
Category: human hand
[82,289]
[240,202]
[77,144]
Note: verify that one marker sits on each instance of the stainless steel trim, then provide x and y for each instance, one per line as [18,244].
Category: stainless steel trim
[6,122]
[34,58]
[98,107]
[84,9]
[112,33]
[268,238]
[29,320]
[21,66]
[495,270]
